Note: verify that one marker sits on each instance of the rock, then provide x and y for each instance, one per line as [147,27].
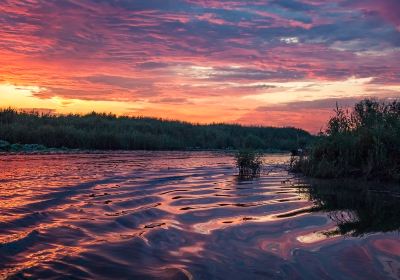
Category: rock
[33,147]
[4,145]
[16,147]
[28,148]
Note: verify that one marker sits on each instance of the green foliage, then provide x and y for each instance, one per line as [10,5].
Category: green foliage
[249,163]
[362,142]
[110,132]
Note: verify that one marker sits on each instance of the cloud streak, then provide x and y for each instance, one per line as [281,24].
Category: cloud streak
[176,56]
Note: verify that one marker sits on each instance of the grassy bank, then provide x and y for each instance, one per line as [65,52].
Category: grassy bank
[362,142]
[110,132]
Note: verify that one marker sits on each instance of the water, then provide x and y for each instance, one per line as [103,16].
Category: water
[182,215]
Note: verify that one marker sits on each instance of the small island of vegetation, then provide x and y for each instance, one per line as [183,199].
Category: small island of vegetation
[249,163]
[362,142]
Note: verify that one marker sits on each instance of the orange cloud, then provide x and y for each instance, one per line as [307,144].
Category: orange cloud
[199,61]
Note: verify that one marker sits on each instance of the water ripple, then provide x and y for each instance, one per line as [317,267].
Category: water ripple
[168,215]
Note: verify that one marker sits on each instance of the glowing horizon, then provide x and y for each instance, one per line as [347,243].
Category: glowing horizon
[263,62]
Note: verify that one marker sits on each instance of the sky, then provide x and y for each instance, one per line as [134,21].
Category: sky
[261,62]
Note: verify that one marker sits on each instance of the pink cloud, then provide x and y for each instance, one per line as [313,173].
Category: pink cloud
[163,53]
[387,9]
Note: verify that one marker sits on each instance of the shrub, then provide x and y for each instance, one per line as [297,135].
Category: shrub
[362,142]
[249,163]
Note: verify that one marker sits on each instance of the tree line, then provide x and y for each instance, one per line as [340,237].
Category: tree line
[110,132]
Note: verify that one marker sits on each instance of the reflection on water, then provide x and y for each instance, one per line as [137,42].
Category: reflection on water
[358,208]
[175,215]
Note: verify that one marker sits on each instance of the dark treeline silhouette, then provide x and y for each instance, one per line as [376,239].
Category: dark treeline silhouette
[363,142]
[111,132]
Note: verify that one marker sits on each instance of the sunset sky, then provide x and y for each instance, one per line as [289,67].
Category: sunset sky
[261,62]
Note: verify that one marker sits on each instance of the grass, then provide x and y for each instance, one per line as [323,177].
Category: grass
[97,131]
[362,142]
[249,163]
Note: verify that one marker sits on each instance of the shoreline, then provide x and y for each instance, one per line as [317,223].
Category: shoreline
[78,151]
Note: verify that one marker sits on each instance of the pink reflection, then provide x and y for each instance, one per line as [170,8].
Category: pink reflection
[162,214]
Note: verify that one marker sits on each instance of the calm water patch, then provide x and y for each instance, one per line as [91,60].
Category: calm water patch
[186,215]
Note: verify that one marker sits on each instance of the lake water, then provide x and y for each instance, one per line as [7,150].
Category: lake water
[186,215]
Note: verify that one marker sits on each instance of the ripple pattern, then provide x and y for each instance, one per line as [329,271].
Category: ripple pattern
[170,215]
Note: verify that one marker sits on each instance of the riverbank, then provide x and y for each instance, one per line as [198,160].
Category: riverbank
[8,148]
[16,148]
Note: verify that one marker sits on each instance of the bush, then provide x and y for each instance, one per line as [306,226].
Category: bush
[249,163]
[362,142]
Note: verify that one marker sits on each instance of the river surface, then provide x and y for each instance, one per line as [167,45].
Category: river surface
[186,215]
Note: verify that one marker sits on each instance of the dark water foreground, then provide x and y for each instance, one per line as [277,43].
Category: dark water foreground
[187,216]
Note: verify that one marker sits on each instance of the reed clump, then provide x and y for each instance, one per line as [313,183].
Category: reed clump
[362,142]
[249,163]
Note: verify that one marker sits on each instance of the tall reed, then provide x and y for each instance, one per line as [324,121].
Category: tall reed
[249,163]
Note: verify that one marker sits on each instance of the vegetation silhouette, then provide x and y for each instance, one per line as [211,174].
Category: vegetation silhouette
[249,163]
[362,142]
[110,132]
[357,208]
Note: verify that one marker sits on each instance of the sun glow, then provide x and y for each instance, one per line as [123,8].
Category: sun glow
[23,98]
